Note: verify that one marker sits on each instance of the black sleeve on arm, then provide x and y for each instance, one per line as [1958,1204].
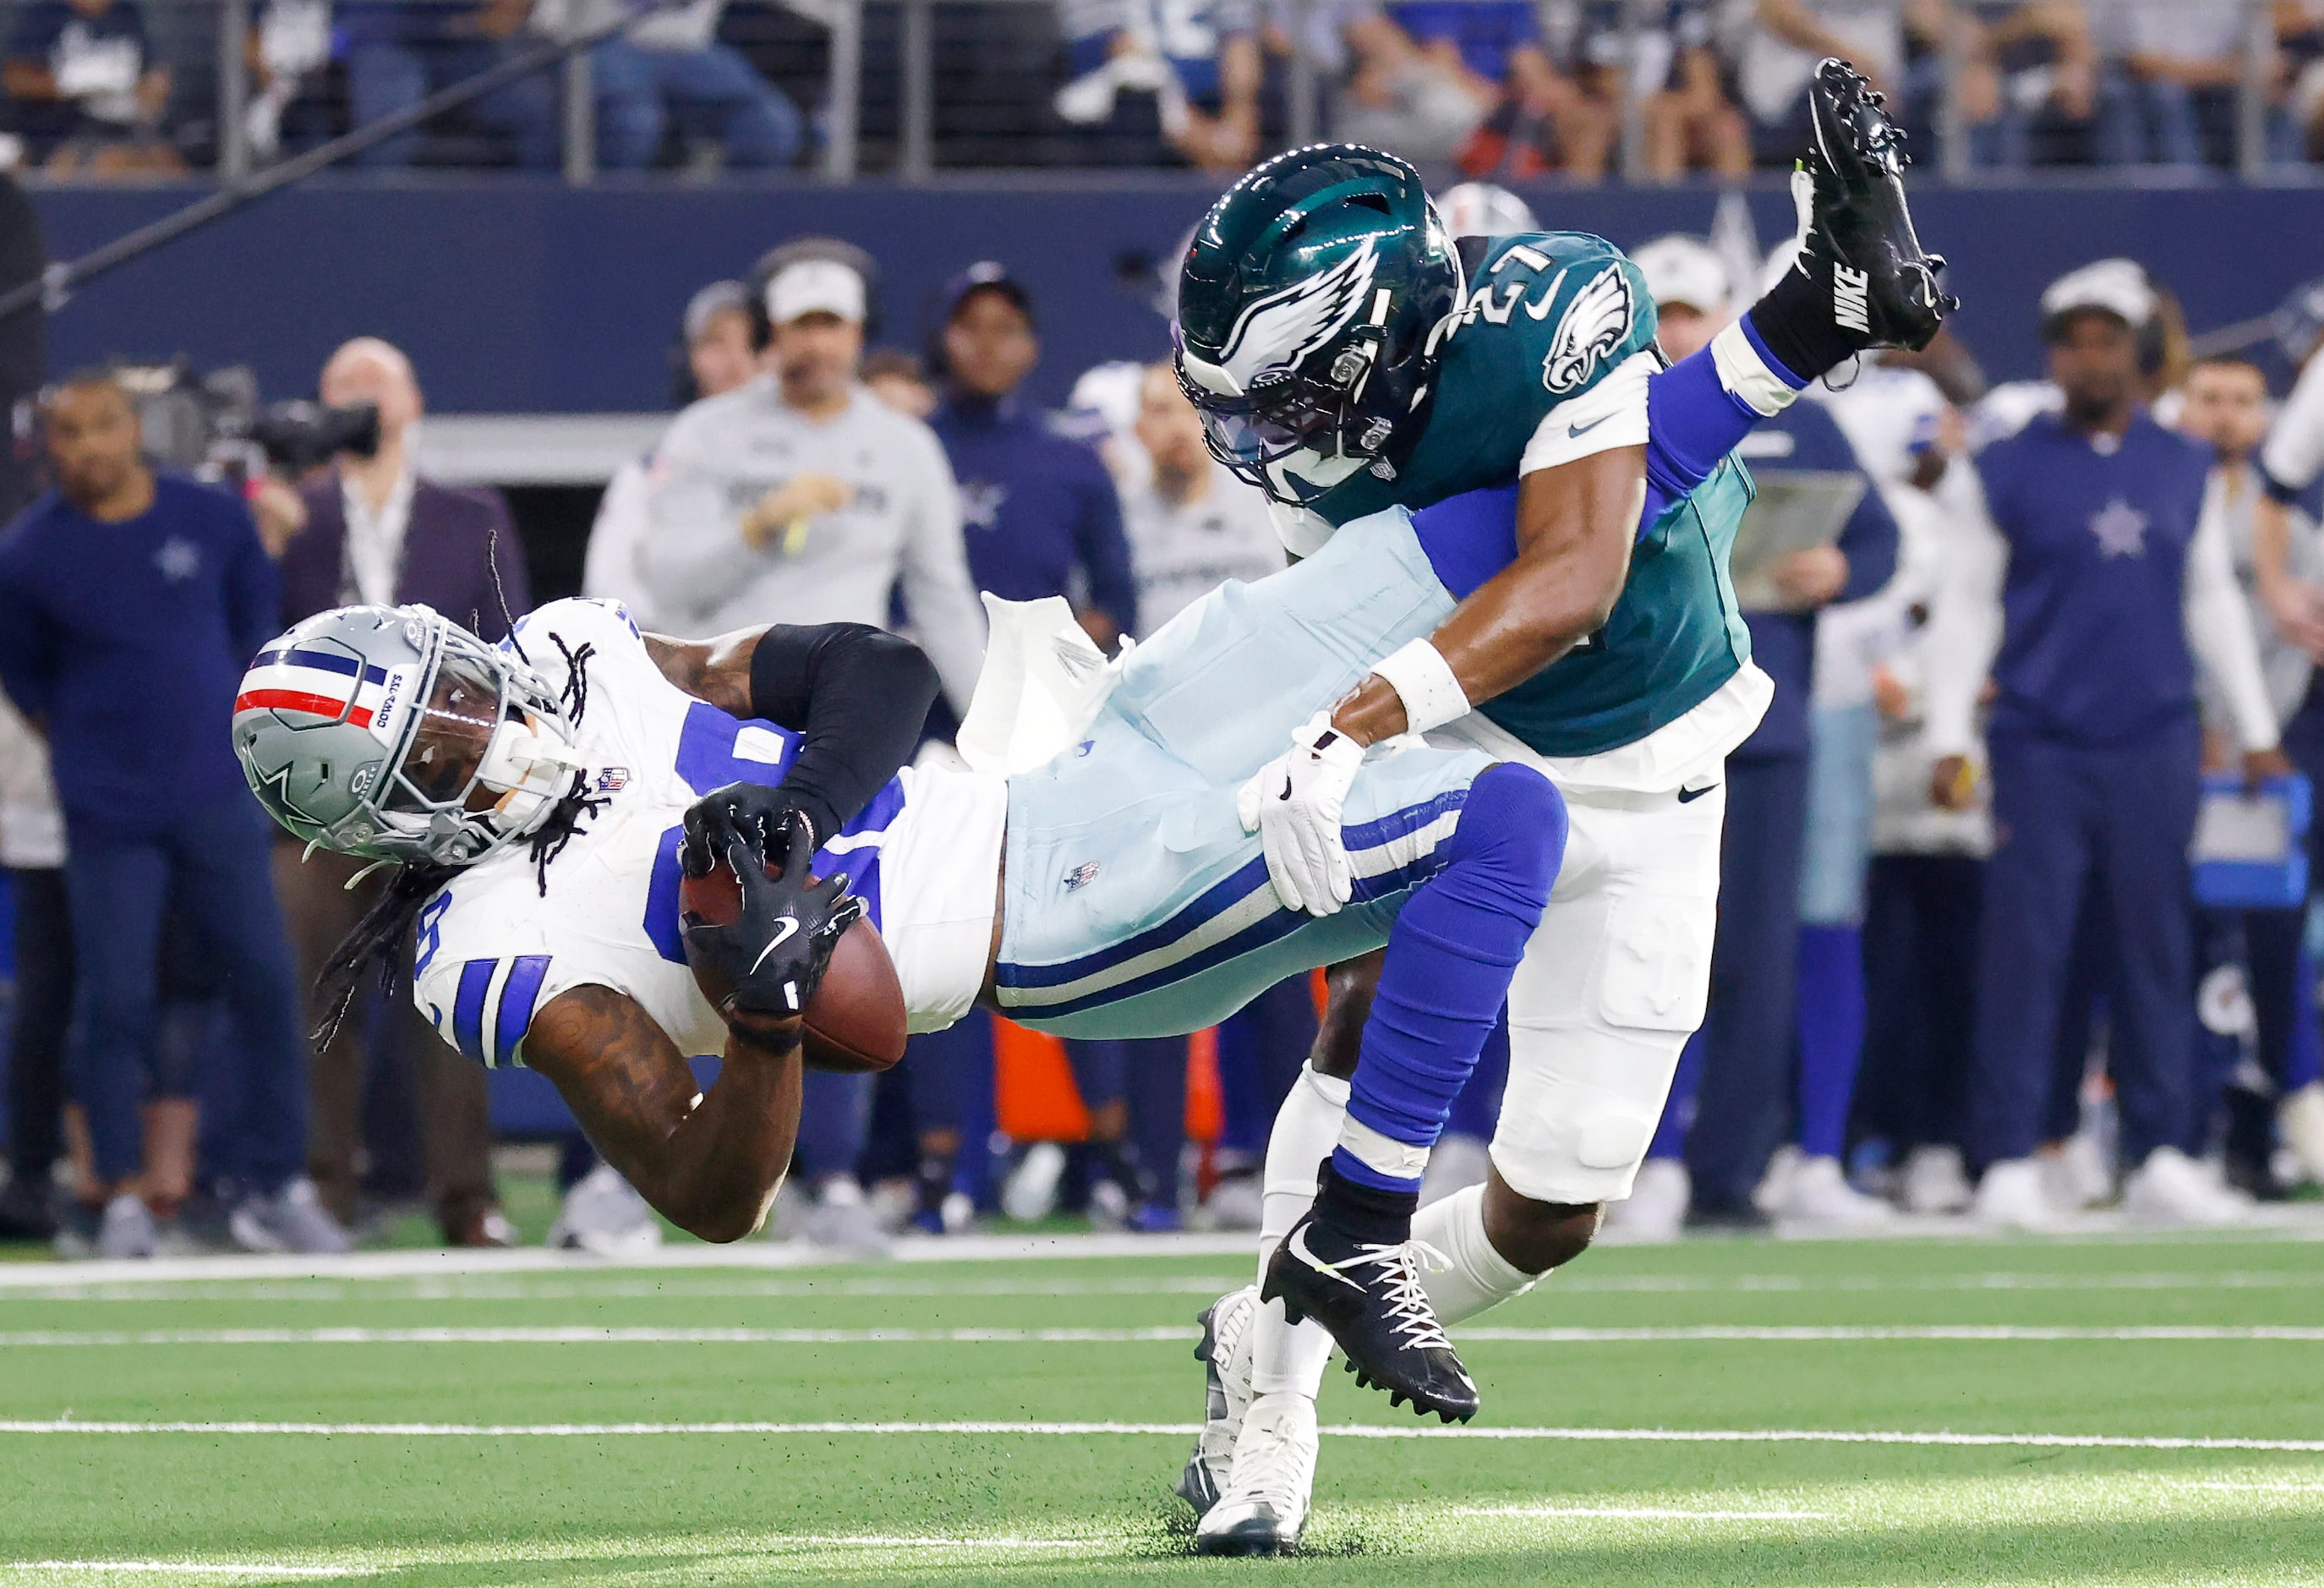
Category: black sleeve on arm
[857,695]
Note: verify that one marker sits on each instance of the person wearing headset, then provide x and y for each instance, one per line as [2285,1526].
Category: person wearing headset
[800,497]
[2111,581]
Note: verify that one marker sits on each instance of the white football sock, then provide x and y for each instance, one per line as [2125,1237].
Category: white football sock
[1479,1278]
[1287,1358]
[1747,377]
[1306,1128]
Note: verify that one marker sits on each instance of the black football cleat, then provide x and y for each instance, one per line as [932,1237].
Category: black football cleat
[1335,1267]
[1880,286]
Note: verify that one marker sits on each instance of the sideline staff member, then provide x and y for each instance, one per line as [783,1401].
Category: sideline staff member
[2110,578]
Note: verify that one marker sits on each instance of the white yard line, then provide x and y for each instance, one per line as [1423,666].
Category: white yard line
[1173,1430]
[652,1334]
[1638,1513]
[185,1568]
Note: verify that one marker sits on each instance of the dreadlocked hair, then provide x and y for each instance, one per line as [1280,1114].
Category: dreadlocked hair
[379,937]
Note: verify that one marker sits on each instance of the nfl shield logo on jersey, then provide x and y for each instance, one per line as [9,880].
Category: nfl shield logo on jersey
[612,780]
[1080,876]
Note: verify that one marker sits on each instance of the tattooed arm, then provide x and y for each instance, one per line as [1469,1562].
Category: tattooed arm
[710,1162]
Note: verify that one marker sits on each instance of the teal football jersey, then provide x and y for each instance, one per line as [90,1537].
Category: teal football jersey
[1547,317]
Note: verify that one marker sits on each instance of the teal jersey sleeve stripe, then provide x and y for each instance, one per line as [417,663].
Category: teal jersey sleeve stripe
[519,993]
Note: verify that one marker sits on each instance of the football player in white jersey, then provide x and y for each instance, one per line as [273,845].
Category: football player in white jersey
[544,799]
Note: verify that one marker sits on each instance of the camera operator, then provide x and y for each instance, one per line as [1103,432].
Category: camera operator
[375,531]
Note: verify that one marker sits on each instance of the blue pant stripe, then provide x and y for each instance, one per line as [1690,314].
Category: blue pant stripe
[1222,896]
[518,995]
[468,1009]
[1278,925]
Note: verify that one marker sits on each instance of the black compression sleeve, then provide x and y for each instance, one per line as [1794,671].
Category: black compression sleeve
[857,696]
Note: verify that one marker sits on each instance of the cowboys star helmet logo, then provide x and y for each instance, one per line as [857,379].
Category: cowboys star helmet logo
[1279,331]
[1595,324]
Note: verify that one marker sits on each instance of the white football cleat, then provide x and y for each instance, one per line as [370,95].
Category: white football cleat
[1767,1195]
[2299,1120]
[2012,1196]
[1816,1192]
[604,1215]
[2077,1175]
[293,1219]
[1225,1355]
[842,1220]
[1235,1202]
[2170,1189]
[1656,1208]
[1934,1181]
[1264,1506]
[128,1230]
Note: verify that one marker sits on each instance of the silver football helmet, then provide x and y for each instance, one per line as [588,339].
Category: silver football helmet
[393,733]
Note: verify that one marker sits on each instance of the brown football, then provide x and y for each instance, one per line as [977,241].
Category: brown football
[855,1021]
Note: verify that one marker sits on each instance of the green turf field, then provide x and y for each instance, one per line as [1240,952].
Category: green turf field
[549,1427]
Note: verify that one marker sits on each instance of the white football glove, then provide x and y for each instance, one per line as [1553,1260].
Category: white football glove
[1293,805]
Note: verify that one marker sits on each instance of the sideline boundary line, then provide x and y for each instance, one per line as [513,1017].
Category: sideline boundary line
[651,1334]
[2297,1224]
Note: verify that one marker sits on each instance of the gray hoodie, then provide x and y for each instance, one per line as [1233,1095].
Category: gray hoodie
[900,532]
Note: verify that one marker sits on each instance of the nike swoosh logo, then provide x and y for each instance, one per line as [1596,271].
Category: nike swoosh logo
[1688,796]
[1299,1250]
[1287,787]
[1573,430]
[788,926]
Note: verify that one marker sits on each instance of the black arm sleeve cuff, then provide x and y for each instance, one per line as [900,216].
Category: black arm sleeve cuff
[857,696]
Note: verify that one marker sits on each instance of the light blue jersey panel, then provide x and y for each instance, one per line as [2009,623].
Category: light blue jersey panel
[1138,905]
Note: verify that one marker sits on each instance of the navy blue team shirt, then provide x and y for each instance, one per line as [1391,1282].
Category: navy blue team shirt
[1035,504]
[131,640]
[2094,638]
[1783,643]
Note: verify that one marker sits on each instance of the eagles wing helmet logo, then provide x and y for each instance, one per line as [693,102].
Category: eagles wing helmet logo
[1281,329]
[1594,325]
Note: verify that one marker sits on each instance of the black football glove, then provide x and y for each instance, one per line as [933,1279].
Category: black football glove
[765,964]
[745,810]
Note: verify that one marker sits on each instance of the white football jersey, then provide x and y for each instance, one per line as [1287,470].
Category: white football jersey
[495,948]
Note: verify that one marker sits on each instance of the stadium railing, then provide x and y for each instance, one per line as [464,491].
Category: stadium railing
[913,89]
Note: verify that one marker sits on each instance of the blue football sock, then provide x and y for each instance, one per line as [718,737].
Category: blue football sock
[1446,976]
[1678,1108]
[1477,1109]
[1831,1022]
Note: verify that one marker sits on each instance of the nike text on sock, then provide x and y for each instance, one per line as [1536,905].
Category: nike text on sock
[1813,319]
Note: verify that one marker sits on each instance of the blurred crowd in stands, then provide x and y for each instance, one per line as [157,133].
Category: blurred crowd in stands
[1493,88]
[2014,913]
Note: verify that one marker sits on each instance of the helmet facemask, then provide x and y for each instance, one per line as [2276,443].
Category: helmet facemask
[1297,432]
[485,723]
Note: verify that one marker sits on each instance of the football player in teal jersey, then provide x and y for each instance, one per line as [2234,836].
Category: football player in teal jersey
[1505,400]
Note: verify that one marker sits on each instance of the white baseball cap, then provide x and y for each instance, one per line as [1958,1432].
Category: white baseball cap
[1679,268]
[2118,286]
[815,286]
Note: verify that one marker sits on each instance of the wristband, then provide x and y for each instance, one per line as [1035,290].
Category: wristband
[1423,680]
